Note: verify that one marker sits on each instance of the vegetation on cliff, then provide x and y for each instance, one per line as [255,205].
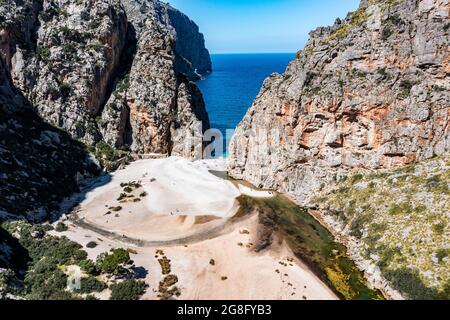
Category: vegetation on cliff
[369,94]
[401,221]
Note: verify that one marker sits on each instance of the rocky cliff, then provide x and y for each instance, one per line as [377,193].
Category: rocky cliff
[156,103]
[396,226]
[39,164]
[370,92]
[192,57]
[103,77]
[366,96]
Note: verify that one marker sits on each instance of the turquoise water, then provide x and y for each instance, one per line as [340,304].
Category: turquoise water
[235,82]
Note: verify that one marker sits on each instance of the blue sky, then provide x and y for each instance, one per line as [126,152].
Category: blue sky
[254,26]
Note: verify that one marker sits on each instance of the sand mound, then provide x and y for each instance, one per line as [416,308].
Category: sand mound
[183,208]
[161,200]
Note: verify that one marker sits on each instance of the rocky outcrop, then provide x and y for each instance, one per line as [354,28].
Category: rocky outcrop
[155,103]
[192,57]
[103,77]
[64,60]
[396,226]
[370,92]
[39,164]
[342,130]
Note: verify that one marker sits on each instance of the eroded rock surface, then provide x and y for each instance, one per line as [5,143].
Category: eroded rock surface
[39,164]
[192,57]
[107,71]
[157,99]
[370,92]
[396,226]
[65,57]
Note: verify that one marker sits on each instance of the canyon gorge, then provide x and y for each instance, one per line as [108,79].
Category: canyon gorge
[101,121]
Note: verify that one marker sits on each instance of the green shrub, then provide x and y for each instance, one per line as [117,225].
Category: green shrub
[437,185]
[69,49]
[402,208]
[357,18]
[61,227]
[446,26]
[65,90]
[105,153]
[114,262]
[439,228]
[91,244]
[441,254]
[124,84]
[89,267]
[122,197]
[44,279]
[386,33]
[358,224]
[128,189]
[405,88]
[91,284]
[127,290]
[409,283]
[43,53]
[309,78]
[61,250]
[356,178]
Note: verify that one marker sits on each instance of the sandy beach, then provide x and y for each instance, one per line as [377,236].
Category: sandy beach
[184,212]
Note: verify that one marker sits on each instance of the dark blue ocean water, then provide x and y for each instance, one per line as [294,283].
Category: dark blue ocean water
[236,79]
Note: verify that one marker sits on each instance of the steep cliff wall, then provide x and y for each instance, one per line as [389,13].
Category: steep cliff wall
[370,92]
[348,131]
[155,103]
[39,164]
[192,57]
[90,71]
[65,58]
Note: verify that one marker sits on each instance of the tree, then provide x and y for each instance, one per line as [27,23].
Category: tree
[89,267]
[61,227]
[91,284]
[128,290]
[114,262]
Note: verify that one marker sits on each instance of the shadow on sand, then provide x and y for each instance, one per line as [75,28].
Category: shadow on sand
[70,204]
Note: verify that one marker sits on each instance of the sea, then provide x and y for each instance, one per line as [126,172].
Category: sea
[236,80]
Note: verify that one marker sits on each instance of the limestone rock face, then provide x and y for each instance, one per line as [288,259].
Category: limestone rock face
[155,103]
[103,77]
[192,57]
[370,92]
[65,58]
[39,164]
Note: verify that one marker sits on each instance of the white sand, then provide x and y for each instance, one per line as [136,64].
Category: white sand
[175,186]
[183,199]
[255,193]
[249,275]
[191,208]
